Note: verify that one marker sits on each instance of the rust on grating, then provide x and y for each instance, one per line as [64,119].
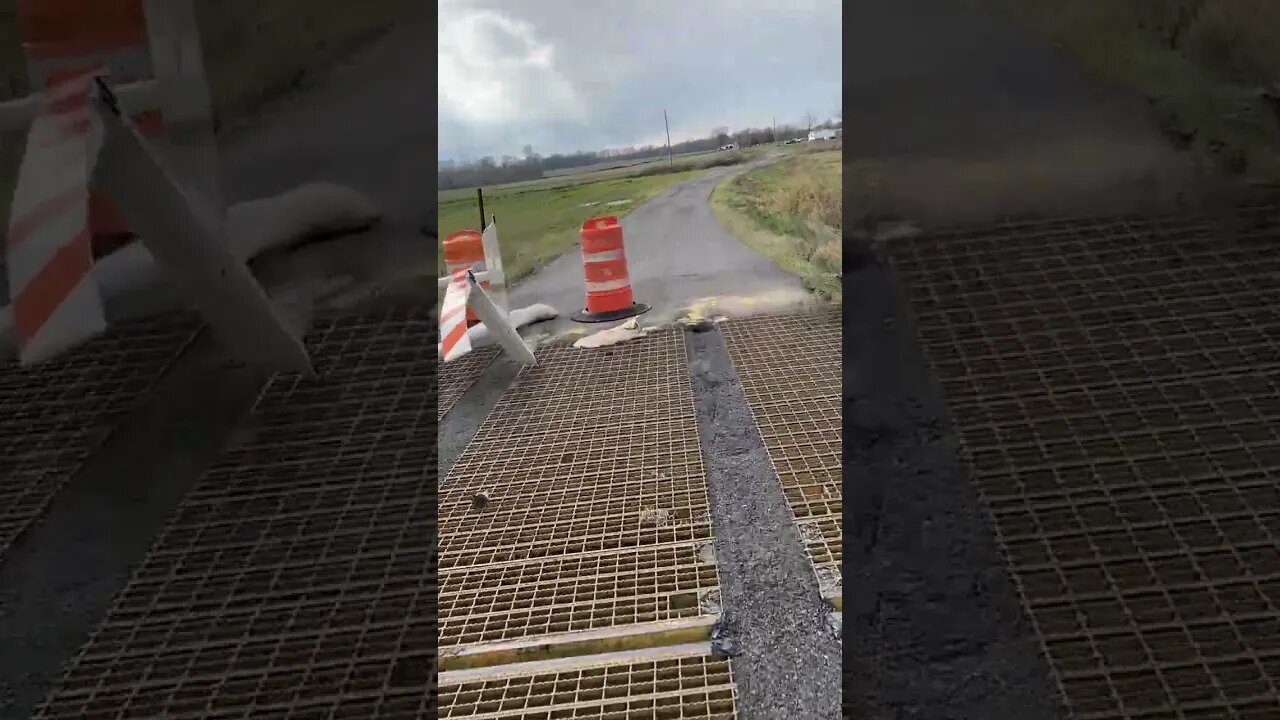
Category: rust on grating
[297,577]
[789,366]
[54,416]
[1116,386]
[457,376]
[693,687]
[581,503]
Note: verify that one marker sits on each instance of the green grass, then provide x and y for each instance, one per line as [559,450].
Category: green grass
[539,222]
[591,174]
[792,213]
[254,52]
[1200,62]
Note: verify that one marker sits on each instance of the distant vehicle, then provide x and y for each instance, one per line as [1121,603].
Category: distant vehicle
[822,135]
[792,141]
[730,146]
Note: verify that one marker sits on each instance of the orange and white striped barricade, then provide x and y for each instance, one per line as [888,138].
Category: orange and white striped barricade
[56,303]
[604,265]
[183,231]
[151,48]
[485,265]
[453,316]
[465,292]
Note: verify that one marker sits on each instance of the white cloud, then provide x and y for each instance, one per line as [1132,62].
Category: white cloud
[567,75]
[493,69]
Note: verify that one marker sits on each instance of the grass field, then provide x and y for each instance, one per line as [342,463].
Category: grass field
[791,212]
[625,165]
[539,221]
[604,171]
[1201,63]
[254,52]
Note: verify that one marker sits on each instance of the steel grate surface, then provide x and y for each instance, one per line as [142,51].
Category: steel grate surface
[457,376]
[683,688]
[597,512]
[1117,386]
[789,366]
[54,416]
[297,578]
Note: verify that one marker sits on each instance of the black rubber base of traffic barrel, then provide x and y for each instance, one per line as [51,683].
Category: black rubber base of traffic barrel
[583,316]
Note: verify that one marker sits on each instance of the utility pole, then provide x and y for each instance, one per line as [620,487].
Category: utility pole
[670,160]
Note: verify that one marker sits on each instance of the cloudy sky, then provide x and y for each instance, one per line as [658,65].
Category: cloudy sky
[566,75]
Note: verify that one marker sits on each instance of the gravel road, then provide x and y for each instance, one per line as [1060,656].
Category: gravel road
[789,651]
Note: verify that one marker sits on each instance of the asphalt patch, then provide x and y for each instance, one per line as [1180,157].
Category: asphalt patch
[786,656]
[934,624]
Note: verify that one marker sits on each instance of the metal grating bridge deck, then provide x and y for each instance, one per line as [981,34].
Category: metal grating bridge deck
[54,416]
[1117,389]
[595,534]
[297,578]
[457,376]
[683,683]
[790,371]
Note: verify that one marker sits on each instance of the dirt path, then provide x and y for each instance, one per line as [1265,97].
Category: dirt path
[677,253]
[964,116]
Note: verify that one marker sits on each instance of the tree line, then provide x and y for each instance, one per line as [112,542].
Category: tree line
[489,170]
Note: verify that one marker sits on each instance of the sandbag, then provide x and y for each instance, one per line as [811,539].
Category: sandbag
[308,212]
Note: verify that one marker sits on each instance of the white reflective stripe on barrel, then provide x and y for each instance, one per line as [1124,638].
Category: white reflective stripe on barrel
[477,266]
[619,284]
[602,256]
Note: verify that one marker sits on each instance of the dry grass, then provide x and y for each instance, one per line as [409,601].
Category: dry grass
[791,212]
[807,196]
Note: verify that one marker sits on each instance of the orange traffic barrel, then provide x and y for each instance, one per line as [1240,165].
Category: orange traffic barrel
[67,28]
[604,263]
[465,249]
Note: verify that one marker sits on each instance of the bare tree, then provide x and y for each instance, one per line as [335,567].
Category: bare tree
[808,121]
[528,151]
[721,134]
